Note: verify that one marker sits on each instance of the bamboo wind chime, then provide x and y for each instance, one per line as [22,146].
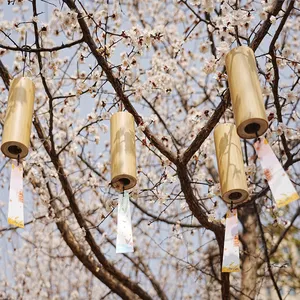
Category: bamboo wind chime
[233,188]
[251,122]
[123,154]
[17,126]
[245,93]
[123,174]
[230,164]
[16,141]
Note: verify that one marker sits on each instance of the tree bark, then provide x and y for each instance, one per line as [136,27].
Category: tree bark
[249,260]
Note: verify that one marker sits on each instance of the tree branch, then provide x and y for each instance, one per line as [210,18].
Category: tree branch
[263,30]
[37,50]
[206,130]
[276,74]
[116,84]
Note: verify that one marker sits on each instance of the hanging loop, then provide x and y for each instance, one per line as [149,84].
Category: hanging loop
[25,49]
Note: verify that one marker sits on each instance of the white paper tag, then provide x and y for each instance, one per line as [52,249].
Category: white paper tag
[16,198]
[231,254]
[280,185]
[124,229]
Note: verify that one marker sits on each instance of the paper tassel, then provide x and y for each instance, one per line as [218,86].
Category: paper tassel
[124,229]
[231,255]
[16,198]
[280,185]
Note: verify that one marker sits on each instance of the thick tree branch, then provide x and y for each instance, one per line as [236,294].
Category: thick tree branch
[263,30]
[98,271]
[139,265]
[249,261]
[116,84]
[206,130]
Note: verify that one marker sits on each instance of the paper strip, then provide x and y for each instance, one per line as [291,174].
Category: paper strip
[16,198]
[124,229]
[280,185]
[231,254]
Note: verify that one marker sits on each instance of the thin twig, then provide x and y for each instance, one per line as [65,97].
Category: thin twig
[266,252]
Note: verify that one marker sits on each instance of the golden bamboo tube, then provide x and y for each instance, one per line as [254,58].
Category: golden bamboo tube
[245,91]
[230,164]
[17,125]
[123,156]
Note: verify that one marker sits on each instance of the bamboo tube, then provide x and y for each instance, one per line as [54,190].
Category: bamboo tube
[245,91]
[17,125]
[123,156]
[230,164]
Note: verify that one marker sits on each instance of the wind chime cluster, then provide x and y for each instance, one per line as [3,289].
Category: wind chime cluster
[251,122]
[16,142]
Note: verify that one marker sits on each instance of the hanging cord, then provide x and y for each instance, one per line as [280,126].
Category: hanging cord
[231,206]
[25,47]
[18,159]
[257,137]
